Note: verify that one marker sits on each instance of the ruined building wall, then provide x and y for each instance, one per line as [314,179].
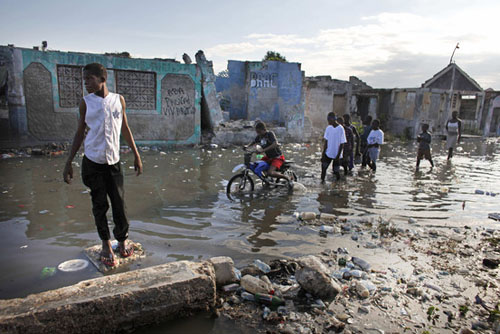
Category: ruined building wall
[270,91]
[46,87]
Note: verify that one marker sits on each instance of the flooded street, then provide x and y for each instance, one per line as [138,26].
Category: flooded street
[179,209]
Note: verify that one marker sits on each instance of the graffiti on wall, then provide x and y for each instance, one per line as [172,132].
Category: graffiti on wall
[70,84]
[178,105]
[263,80]
[138,89]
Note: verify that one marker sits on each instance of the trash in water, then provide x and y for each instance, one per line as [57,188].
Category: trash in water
[73,265]
[326,228]
[265,268]
[47,272]
[494,216]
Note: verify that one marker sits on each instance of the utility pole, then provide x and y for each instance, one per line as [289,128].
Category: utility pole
[450,95]
[455,49]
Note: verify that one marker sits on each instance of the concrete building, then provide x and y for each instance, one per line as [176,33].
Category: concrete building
[324,94]
[270,91]
[43,89]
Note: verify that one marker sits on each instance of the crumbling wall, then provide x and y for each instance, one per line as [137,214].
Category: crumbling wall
[270,91]
[163,97]
[211,113]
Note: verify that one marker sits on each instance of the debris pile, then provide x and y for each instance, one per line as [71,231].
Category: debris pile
[451,285]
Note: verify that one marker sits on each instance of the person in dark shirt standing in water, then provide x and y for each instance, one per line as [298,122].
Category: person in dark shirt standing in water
[269,145]
[364,143]
[424,146]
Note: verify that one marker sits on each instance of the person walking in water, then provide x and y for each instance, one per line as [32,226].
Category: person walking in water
[453,133]
[367,128]
[333,146]
[374,141]
[424,146]
[103,113]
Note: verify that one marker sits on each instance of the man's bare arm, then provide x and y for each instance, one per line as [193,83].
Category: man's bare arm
[129,138]
[77,142]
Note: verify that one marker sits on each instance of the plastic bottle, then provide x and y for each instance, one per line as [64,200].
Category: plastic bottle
[247,296]
[268,281]
[254,285]
[269,299]
[326,228]
[327,217]
[262,266]
[307,216]
[361,263]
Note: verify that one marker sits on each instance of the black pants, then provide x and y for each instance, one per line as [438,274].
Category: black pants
[325,163]
[106,181]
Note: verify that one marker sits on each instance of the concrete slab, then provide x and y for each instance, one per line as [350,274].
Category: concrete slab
[114,303]
[94,255]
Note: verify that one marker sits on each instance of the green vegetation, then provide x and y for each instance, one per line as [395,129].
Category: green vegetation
[432,314]
[463,309]
[272,55]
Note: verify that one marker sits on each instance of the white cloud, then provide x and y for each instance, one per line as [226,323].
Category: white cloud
[365,49]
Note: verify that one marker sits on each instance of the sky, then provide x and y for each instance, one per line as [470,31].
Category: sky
[386,43]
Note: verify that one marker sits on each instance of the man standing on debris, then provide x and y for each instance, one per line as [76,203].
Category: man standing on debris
[334,140]
[103,113]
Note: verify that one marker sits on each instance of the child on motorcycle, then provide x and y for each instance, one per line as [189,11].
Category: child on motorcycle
[267,143]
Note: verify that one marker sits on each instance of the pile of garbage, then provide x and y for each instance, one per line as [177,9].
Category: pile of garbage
[52,150]
[451,285]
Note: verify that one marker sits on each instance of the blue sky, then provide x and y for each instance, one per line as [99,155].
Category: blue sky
[386,43]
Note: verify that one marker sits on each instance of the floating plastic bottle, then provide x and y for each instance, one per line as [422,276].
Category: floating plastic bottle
[247,296]
[326,228]
[307,216]
[262,266]
[269,299]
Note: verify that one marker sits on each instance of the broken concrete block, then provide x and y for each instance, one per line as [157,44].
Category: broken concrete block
[224,270]
[94,255]
[187,59]
[115,302]
[313,277]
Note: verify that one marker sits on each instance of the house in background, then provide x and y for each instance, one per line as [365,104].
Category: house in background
[463,94]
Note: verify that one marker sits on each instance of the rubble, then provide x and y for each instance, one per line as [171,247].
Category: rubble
[336,292]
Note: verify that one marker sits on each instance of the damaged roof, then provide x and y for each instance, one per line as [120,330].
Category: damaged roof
[442,80]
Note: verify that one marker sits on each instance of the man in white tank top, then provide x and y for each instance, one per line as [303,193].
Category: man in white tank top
[103,113]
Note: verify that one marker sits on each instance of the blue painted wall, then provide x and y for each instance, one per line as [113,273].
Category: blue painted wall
[270,91]
[148,124]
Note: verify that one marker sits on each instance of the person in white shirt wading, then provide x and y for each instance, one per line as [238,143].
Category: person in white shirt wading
[103,113]
[375,139]
[334,140]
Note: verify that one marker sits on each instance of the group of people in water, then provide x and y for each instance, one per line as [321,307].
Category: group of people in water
[344,145]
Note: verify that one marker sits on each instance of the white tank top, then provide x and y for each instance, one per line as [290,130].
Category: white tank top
[104,120]
[452,128]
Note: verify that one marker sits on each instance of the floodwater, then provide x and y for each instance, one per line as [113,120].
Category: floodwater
[178,209]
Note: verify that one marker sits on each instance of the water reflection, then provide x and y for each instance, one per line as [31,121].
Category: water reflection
[179,210]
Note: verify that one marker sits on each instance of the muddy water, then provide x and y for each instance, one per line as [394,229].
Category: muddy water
[179,210]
